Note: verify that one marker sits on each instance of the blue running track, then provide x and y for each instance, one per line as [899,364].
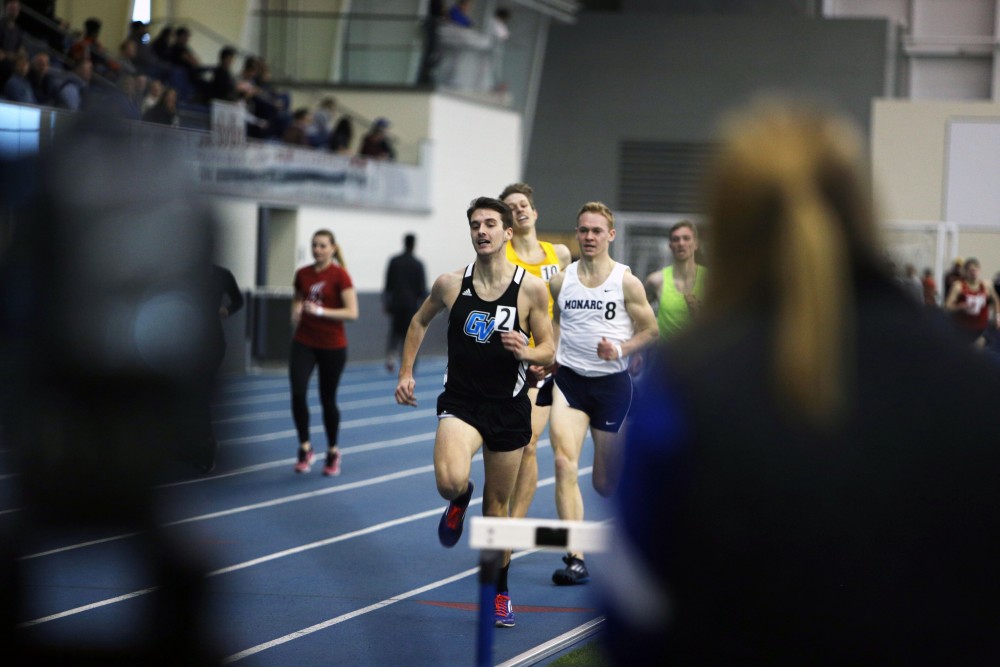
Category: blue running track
[306,569]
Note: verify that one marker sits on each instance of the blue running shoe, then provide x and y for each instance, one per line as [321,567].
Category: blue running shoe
[575,572]
[504,611]
[453,520]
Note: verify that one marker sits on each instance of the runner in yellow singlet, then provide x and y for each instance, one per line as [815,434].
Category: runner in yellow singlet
[544,260]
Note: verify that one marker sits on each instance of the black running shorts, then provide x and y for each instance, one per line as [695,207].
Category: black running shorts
[505,425]
[605,398]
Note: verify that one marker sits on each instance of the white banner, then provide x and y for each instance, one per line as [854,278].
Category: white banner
[229,125]
[273,171]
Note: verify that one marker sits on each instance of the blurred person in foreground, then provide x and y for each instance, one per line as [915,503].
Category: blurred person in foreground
[792,494]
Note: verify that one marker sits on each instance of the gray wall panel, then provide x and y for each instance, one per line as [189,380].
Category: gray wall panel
[610,78]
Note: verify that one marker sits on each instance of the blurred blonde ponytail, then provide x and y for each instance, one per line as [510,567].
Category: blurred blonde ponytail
[790,218]
[812,307]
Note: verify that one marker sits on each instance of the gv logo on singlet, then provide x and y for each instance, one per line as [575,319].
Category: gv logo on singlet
[480,325]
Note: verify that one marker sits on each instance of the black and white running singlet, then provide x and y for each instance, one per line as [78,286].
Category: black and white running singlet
[478,364]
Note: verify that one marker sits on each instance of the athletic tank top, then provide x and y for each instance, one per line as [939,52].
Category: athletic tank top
[672,314]
[545,270]
[478,364]
[587,314]
[975,313]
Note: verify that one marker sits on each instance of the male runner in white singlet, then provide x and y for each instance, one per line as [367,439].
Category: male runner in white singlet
[601,316]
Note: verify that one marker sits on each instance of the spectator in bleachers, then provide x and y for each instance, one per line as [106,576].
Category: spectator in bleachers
[146,60]
[264,102]
[375,143]
[74,89]
[138,32]
[164,111]
[249,92]
[181,54]
[43,84]
[128,54]
[11,35]
[280,101]
[319,130]
[459,13]
[186,67]
[296,133]
[154,88]
[18,88]
[246,80]
[160,47]
[223,85]
[89,47]
[430,56]
[341,136]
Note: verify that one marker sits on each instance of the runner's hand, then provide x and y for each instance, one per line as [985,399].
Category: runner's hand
[404,391]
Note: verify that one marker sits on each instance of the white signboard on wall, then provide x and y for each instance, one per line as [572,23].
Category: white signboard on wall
[972,172]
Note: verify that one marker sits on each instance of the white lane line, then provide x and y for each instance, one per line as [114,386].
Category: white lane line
[296,550]
[349,423]
[250,563]
[356,449]
[317,429]
[287,552]
[285,397]
[537,654]
[304,496]
[298,634]
[385,525]
[387,386]
[88,607]
[249,508]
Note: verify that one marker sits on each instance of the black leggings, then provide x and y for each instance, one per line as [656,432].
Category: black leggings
[300,367]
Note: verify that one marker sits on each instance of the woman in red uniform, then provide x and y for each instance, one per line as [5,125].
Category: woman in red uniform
[969,301]
[324,298]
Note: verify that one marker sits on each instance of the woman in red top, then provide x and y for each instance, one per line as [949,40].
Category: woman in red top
[969,301]
[324,298]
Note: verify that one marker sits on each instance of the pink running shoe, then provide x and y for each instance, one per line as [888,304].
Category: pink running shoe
[305,462]
[332,467]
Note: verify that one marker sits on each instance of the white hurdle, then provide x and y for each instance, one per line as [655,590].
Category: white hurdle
[492,536]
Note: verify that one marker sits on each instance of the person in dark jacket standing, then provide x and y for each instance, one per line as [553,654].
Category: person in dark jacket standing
[405,289]
[791,493]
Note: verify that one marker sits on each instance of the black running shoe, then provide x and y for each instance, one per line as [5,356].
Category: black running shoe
[453,520]
[575,572]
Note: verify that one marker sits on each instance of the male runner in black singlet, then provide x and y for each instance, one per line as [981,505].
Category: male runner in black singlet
[493,306]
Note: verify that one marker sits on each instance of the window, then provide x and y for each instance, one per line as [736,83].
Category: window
[141,10]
